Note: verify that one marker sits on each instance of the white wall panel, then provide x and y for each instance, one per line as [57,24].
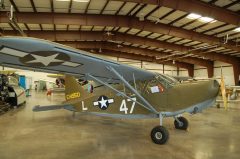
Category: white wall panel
[149,65]
[38,76]
[34,75]
[108,57]
[227,71]
[156,71]
[183,73]
[200,71]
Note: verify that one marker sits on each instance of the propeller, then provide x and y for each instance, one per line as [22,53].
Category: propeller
[223,91]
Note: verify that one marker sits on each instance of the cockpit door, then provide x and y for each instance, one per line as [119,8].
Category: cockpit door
[156,94]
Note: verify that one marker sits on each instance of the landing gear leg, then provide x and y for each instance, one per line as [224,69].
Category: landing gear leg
[73,114]
[181,123]
[159,134]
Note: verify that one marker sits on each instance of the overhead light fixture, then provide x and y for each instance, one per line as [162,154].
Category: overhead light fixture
[173,62]
[193,16]
[141,17]
[86,1]
[200,18]
[207,19]
[237,29]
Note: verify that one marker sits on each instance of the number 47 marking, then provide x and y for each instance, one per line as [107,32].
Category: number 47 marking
[124,108]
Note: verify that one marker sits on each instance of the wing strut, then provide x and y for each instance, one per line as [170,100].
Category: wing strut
[132,89]
[121,93]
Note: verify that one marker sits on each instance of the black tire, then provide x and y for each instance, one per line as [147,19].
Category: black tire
[184,125]
[159,135]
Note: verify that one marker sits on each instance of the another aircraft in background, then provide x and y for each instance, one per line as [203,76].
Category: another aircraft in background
[10,90]
[232,94]
[59,85]
[122,91]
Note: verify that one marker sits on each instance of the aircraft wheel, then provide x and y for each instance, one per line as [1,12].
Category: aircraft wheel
[183,125]
[159,135]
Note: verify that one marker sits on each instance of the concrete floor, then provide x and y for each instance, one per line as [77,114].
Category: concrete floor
[57,135]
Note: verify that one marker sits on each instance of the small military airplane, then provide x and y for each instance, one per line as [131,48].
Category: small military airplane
[122,91]
[229,95]
[59,85]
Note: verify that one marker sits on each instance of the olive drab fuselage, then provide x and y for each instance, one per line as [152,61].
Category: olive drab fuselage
[162,95]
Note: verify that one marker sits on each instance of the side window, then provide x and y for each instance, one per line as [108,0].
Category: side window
[154,86]
[165,83]
[152,83]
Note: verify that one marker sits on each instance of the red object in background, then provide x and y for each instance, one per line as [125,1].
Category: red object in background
[161,88]
[49,92]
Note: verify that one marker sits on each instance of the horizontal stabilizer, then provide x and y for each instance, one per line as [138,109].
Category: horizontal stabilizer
[39,108]
[73,101]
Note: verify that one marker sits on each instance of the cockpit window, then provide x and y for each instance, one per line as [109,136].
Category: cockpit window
[165,80]
[169,79]
[159,83]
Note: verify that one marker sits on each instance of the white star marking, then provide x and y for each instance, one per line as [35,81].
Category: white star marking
[103,103]
[45,60]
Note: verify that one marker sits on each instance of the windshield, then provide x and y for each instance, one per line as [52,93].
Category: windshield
[171,79]
[159,83]
[166,79]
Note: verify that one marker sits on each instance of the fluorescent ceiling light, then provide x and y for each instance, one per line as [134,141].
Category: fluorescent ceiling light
[193,16]
[81,1]
[74,0]
[207,19]
[237,29]
[200,18]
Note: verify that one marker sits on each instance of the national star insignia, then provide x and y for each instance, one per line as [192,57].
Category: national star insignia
[45,60]
[103,102]
[36,58]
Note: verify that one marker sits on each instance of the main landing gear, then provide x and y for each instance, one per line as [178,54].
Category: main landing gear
[181,123]
[160,134]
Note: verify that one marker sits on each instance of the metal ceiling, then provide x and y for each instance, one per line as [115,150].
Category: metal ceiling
[159,26]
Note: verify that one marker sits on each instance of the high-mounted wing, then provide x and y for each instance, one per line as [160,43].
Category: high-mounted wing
[42,55]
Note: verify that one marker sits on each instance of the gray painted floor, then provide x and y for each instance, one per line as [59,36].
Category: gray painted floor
[213,134]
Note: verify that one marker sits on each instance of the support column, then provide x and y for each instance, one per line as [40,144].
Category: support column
[236,72]
[210,71]
[190,71]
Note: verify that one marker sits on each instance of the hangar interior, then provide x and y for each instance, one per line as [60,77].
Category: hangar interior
[197,39]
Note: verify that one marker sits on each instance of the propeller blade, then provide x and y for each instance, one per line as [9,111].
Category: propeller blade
[223,91]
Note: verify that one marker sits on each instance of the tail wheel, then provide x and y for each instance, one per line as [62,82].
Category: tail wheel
[159,135]
[183,125]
